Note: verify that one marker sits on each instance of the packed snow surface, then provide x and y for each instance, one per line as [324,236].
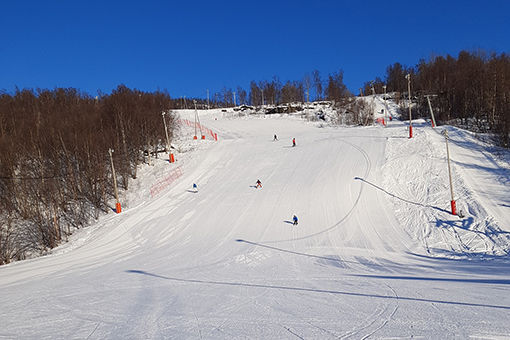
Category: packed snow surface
[376,253]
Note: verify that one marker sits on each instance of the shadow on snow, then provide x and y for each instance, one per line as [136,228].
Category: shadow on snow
[311,290]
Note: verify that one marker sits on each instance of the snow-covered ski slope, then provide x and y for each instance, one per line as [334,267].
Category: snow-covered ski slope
[376,253]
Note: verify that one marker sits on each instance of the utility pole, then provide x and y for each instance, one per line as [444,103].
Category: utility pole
[234,93]
[385,105]
[171,156]
[307,101]
[185,105]
[196,116]
[197,120]
[208,107]
[453,205]
[118,208]
[430,108]
[262,91]
[408,77]
[166,131]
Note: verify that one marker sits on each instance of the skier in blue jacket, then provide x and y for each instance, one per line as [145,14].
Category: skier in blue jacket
[295,220]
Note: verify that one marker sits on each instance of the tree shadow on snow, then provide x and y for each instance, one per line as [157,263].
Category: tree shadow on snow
[311,290]
[502,175]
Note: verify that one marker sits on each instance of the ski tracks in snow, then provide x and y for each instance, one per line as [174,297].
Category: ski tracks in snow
[376,321]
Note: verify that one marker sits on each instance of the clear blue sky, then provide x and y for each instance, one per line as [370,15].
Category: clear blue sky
[189,46]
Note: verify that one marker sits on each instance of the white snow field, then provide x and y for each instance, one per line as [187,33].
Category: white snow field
[376,254]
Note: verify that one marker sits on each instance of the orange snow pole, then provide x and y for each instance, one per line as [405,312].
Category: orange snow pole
[172,158]
[118,208]
[194,137]
[410,131]
[454,207]
[203,136]
[215,136]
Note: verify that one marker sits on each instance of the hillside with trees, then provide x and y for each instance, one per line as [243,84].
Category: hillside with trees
[471,90]
[55,173]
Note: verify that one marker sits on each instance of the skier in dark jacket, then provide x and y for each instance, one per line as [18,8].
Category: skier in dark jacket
[259,184]
[295,220]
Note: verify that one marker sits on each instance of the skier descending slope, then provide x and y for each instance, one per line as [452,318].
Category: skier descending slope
[293,141]
[295,220]
[259,184]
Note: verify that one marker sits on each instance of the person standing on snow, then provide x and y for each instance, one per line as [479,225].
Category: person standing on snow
[275,138]
[293,141]
[195,187]
[295,220]
[259,184]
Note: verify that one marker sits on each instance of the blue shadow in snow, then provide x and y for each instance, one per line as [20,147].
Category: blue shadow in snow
[461,224]
[481,264]
[502,175]
[443,279]
[311,290]
[466,223]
